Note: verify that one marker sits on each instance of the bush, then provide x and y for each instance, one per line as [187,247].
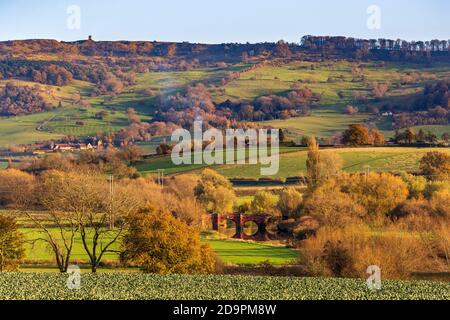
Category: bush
[347,252]
[333,208]
[416,185]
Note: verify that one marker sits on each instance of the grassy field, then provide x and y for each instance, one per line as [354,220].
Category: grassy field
[124,286]
[393,159]
[322,125]
[229,251]
[238,252]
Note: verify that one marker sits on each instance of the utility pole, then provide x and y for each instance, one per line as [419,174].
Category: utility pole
[161,177]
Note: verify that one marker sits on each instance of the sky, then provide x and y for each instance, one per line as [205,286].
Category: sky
[219,21]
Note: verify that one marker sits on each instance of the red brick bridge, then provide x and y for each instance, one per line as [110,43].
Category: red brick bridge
[240,220]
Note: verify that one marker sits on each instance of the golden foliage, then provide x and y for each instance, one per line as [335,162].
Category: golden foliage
[160,243]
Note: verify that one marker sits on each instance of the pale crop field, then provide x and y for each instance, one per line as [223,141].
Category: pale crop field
[132,286]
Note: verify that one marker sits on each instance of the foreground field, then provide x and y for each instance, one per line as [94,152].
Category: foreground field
[121,286]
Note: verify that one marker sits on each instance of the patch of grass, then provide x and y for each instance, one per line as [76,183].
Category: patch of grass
[239,252]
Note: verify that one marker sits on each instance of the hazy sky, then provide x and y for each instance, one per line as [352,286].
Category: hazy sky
[216,21]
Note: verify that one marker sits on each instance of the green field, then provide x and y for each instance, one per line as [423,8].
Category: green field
[238,252]
[322,125]
[229,251]
[383,159]
[123,286]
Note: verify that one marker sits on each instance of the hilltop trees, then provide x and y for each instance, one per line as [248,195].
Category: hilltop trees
[16,100]
[159,243]
[11,244]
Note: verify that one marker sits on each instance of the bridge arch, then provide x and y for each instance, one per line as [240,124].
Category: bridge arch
[261,221]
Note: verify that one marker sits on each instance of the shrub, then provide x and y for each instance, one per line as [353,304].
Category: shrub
[416,185]
[347,252]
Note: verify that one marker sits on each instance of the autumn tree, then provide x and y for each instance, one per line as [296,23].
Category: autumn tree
[290,202]
[313,163]
[133,117]
[357,135]
[184,205]
[130,153]
[16,187]
[410,136]
[379,193]
[435,166]
[282,49]
[379,90]
[215,192]
[351,110]
[332,207]
[159,243]
[321,166]
[12,249]
[377,137]
[264,203]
